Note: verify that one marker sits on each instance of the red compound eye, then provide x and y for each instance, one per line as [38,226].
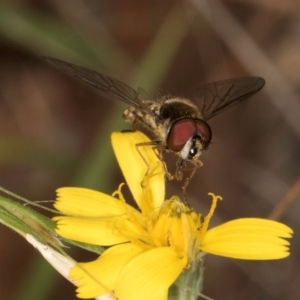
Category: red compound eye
[182,130]
[179,134]
[204,131]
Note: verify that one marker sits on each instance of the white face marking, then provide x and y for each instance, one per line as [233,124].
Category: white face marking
[184,153]
[186,150]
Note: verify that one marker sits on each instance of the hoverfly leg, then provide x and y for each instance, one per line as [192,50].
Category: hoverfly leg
[186,183]
[179,169]
[197,164]
[155,146]
[160,149]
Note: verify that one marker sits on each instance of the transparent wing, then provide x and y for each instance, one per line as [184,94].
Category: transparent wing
[100,81]
[143,94]
[218,96]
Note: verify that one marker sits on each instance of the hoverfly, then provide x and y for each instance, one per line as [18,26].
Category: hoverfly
[179,125]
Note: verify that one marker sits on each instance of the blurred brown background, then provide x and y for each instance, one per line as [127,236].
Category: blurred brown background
[54,130]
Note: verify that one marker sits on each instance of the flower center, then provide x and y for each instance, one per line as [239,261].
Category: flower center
[177,225]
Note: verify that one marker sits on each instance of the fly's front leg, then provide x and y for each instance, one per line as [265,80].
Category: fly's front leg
[197,164]
[179,165]
[160,149]
[159,155]
[155,145]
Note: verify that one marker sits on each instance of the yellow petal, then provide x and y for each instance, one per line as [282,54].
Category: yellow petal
[137,161]
[249,238]
[100,276]
[83,202]
[163,296]
[98,231]
[149,275]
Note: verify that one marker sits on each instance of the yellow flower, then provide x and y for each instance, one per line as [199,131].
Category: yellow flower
[152,247]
